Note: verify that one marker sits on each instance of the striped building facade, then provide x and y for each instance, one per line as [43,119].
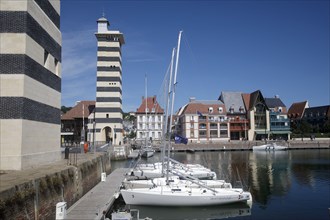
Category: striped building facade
[30,83]
[108,116]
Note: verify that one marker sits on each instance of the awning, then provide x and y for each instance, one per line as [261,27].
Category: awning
[262,132]
[273,132]
[280,132]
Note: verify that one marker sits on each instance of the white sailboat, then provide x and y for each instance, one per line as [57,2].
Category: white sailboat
[269,147]
[174,180]
[168,193]
[155,170]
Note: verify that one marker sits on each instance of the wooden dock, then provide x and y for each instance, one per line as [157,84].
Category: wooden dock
[98,199]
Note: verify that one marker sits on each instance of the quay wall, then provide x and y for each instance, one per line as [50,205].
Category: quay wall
[36,198]
[247,145]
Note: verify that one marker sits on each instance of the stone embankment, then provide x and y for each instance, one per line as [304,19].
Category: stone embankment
[247,145]
[34,193]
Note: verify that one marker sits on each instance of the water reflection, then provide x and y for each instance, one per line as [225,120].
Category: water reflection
[269,175]
[284,181]
[196,213]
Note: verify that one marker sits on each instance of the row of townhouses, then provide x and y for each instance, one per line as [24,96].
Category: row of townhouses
[234,116]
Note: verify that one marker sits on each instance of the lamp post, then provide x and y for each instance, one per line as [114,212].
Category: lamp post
[115,136]
[94,148]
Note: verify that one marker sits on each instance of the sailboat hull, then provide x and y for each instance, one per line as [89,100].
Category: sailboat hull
[166,196]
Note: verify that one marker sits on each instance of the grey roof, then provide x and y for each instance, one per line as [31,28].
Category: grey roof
[232,99]
[274,102]
[206,102]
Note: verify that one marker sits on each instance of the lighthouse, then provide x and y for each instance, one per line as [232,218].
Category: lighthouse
[105,124]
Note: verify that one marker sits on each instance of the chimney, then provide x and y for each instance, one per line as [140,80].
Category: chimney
[192,99]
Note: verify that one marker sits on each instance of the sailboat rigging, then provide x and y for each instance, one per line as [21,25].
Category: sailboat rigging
[173,191]
[147,150]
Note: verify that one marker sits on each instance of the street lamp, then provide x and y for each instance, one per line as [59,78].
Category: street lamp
[92,140]
[115,136]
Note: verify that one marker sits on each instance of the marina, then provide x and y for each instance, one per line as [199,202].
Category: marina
[281,182]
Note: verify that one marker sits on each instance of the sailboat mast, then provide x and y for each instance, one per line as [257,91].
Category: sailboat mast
[172,103]
[167,107]
[145,82]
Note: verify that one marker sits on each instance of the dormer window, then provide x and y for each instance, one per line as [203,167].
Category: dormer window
[210,109]
[241,109]
[231,109]
[147,109]
[153,110]
[220,109]
[280,109]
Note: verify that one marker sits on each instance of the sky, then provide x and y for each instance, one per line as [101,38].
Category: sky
[279,47]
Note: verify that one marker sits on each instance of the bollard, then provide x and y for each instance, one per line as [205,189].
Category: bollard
[66,152]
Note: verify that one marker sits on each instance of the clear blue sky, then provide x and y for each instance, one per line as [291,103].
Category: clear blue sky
[279,47]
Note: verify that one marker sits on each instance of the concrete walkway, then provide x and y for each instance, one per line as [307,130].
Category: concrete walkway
[98,199]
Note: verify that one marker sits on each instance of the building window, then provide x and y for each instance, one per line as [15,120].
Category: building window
[107,115]
[46,58]
[202,133]
[214,133]
[223,133]
[57,68]
[280,109]
[210,109]
[220,109]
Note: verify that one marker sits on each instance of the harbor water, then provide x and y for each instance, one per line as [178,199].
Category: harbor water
[292,184]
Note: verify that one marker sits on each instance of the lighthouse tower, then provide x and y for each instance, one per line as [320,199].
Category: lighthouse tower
[106,121]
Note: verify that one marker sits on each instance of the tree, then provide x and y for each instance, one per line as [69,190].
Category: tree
[326,126]
[303,127]
[64,109]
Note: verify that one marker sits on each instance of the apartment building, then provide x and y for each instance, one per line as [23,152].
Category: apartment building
[149,120]
[203,121]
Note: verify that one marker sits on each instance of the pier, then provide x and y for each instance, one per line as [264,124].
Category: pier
[98,199]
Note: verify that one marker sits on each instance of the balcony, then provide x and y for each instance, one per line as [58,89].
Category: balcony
[214,127]
[239,125]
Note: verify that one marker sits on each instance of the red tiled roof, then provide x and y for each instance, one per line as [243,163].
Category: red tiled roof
[297,109]
[151,104]
[77,111]
[246,99]
[203,108]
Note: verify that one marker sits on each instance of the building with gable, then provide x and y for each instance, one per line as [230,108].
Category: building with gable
[74,123]
[149,120]
[203,121]
[236,114]
[258,116]
[279,121]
